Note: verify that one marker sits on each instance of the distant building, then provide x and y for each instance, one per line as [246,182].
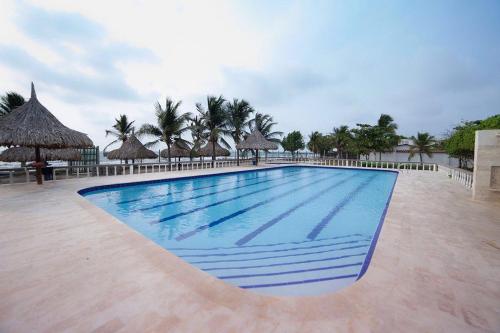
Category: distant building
[402,151]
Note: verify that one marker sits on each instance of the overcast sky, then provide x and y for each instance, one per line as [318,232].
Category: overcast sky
[312,65]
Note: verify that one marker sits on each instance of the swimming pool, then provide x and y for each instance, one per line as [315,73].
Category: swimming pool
[289,230]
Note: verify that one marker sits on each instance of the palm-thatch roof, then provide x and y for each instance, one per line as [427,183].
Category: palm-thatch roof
[27,154]
[32,125]
[257,141]
[131,149]
[178,149]
[208,148]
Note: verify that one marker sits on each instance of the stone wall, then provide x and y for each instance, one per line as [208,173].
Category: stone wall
[486,180]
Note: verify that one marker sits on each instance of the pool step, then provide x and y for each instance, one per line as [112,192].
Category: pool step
[275,268]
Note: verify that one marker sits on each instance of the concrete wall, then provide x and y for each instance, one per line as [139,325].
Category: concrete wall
[486,181]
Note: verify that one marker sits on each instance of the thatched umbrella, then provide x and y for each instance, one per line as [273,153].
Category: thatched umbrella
[131,149]
[257,141]
[26,154]
[208,149]
[178,149]
[32,125]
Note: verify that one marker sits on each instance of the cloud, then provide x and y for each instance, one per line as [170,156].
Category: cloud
[55,27]
[77,87]
[89,65]
[273,87]
[311,66]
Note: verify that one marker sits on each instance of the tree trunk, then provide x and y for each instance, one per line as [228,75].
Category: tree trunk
[237,157]
[213,154]
[168,155]
[421,160]
[256,157]
[38,166]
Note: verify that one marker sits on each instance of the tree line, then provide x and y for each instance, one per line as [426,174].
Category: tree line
[212,123]
[363,140]
[219,119]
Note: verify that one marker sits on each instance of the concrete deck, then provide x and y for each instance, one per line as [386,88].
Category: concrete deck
[66,265]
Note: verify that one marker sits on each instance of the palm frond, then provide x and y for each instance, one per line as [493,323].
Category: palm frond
[112,143]
[225,143]
[148,129]
[151,143]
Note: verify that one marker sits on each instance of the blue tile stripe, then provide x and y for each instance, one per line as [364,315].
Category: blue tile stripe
[272,251]
[227,277]
[280,256]
[89,190]
[263,245]
[284,263]
[290,283]
[184,191]
[291,174]
[324,222]
[244,210]
[171,217]
[248,237]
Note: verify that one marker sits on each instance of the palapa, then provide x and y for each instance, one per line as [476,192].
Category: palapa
[207,150]
[257,141]
[131,149]
[32,125]
[178,149]
[27,154]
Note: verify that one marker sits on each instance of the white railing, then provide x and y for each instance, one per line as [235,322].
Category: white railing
[461,176]
[26,175]
[360,164]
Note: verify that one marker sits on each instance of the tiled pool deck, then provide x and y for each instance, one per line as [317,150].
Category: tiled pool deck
[66,265]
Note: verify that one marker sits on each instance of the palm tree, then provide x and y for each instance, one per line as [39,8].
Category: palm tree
[121,130]
[198,133]
[214,120]
[264,123]
[170,126]
[314,142]
[342,136]
[10,101]
[422,144]
[387,137]
[238,113]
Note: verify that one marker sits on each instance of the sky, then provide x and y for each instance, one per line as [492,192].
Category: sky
[312,65]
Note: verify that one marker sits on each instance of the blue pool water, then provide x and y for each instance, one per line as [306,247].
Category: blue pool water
[283,231]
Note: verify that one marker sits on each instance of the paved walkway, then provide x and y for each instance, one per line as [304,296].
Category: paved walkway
[66,265]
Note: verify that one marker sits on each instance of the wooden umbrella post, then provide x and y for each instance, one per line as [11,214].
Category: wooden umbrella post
[38,163]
